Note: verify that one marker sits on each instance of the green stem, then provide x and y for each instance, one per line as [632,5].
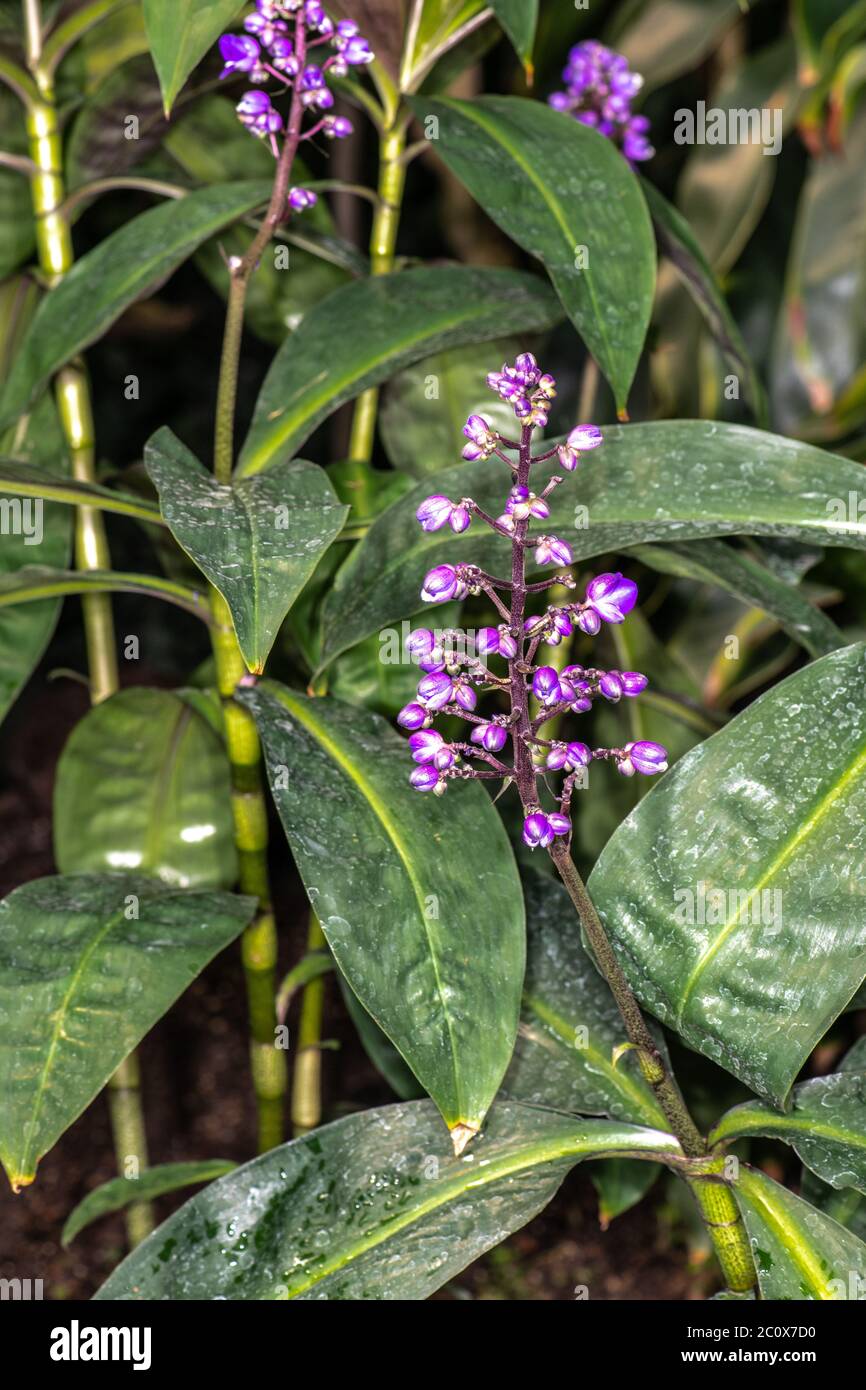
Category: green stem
[259,941]
[307,1078]
[714,1197]
[383,242]
[54,250]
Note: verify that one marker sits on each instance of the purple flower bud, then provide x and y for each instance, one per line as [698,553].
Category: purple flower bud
[486,641]
[612,596]
[493,737]
[257,113]
[436,690]
[545,686]
[632,682]
[356,52]
[302,198]
[425,745]
[482,439]
[265,28]
[337,127]
[647,757]
[610,686]
[440,584]
[412,716]
[556,758]
[584,437]
[460,519]
[559,824]
[421,642]
[434,512]
[283,57]
[425,778]
[588,621]
[465,695]
[550,550]
[578,755]
[507,645]
[239,54]
[537,831]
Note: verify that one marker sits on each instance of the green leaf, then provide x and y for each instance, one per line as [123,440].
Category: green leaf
[371,1207]
[36,582]
[621,1183]
[25,631]
[670,37]
[127,265]
[519,19]
[310,967]
[257,540]
[406,316]
[379,1047]
[800,1254]
[23,480]
[728,891]
[714,562]
[588,225]
[666,481]
[420,903]
[825,1125]
[143,784]
[570,1025]
[180,32]
[677,241]
[119,1193]
[88,963]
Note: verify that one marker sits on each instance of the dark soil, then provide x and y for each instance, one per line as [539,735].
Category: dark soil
[198,1100]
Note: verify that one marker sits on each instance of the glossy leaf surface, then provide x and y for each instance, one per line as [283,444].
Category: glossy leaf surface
[82,979]
[373,1206]
[420,902]
[180,32]
[257,540]
[119,1193]
[799,1252]
[733,892]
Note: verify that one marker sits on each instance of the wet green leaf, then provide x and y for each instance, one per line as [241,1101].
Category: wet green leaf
[88,963]
[143,784]
[406,316]
[589,225]
[420,902]
[257,540]
[800,1253]
[371,1207]
[729,892]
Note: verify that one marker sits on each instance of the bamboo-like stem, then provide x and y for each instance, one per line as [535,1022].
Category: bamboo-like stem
[54,251]
[730,1241]
[307,1076]
[249,808]
[383,242]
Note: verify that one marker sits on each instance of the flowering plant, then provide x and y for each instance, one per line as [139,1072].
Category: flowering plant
[570,877]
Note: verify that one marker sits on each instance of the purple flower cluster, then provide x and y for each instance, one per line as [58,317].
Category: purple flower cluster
[453,676]
[599,87]
[268,50]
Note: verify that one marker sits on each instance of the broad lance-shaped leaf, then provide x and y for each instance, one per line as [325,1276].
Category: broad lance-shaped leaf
[143,784]
[127,265]
[569,1024]
[405,316]
[519,19]
[800,1254]
[33,583]
[715,562]
[258,540]
[588,224]
[826,1126]
[677,241]
[373,1206]
[88,963]
[846,1205]
[23,480]
[420,901]
[666,481]
[733,892]
[119,1193]
[179,33]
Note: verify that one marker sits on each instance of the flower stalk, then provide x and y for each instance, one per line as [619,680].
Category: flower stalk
[453,678]
[72,392]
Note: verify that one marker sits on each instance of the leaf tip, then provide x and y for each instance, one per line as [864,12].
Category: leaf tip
[461,1135]
[622,415]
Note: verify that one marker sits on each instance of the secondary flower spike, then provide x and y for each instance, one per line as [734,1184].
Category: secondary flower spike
[297,45]
[599,88]
[527,691]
